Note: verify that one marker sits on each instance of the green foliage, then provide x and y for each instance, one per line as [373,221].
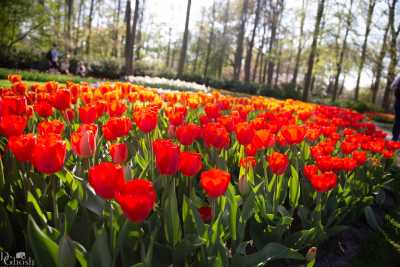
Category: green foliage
[44,77]
[359,106]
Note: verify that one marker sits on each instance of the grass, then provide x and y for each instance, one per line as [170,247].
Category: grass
[37,76]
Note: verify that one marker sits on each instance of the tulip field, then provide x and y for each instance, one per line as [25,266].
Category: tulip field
[123,175]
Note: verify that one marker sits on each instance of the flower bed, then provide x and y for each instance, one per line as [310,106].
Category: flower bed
[380,117]
[163,83]
[120,175]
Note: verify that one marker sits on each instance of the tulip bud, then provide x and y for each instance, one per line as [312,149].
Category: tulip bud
[244,185]
[171,131]
[311,254]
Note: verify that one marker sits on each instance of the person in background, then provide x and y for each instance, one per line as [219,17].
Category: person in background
[81,69]
[52,56]
[396,126]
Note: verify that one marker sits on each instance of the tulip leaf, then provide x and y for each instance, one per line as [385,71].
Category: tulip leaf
[7,237]
[371,219]
[93,202]
[31,199]
[233,211]
[294,187]
[271,252]
[2,179]
[44,249]
[100,255]
[66,256]
[172,225]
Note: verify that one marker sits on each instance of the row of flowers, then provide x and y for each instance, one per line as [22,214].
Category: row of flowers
[164,83]
[179,177]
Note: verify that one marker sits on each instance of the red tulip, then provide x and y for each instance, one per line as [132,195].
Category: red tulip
[310,171]
[19,88]
[48,154]
[167,156]
[294,134]
[116,108]
[69,114]
[244,133]
[50,127]
[349,164]
[211,110]
[324,182]
[187,133]
[215,182]
[11,125]
[205,214]
[145,119]
[190,163]
[137,198]
[278,163]
[88,114]
[13,105]
[119,153]
[248,162]
[61,100]
[106,179]
[216,135]
[360,157]
[116,127]
[21,146]
[43,109]
[176,115]
[14,78]
[348,147]
[83,141]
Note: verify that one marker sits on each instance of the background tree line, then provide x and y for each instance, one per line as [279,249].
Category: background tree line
[319,48]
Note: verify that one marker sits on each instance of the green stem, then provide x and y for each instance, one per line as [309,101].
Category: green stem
[54,186]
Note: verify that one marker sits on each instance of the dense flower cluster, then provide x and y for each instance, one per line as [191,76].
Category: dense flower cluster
[190,148]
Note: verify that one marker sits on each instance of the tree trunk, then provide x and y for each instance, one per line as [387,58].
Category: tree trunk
[394,33]
[168,48]
[249,54]
[237,65]
[260,53]
[182,57]
[371,8]
[90,19]
[339,65]
[210,41]
[139,34]
[78,27]
[114,51]
[128,36]
[300,45]
[69,12]
[379,65]
[310,62]
[277,9]
[131,48]
[224,41]
[278,67]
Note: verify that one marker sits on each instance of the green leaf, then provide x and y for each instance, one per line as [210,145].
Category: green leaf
[100,255]
[66,257]
[371,219]
[44,249]
[271,252]
[2,179]
[31,199]
[7,238]
[233,211]
[93,202]
[294,187]
[172,226]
